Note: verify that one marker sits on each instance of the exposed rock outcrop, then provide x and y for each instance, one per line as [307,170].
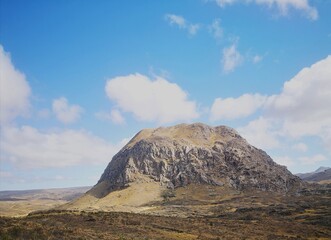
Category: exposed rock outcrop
[195,153]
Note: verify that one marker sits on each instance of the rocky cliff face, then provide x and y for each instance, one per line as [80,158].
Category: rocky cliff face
[196,153]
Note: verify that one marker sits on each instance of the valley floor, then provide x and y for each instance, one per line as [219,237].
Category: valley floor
[113,225]
[250,215]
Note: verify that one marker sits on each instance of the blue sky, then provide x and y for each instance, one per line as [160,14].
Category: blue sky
[80,78]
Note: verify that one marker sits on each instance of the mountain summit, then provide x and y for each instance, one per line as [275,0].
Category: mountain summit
[195,153]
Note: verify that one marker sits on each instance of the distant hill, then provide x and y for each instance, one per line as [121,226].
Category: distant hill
[66,194]
[21,203]
[321,174]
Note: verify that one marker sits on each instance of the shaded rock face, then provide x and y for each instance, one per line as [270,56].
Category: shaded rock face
[196,153]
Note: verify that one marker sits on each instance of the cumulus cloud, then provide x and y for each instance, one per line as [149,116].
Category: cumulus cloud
[302,109]
[261,133]
[284,160]
[14,90]
[283,6]
[44,113]
[216,29]
[304,103]
[232,108]
[182,23]
[176,20]
[231,58]
[313,159]
[64,112]
[223,3]
[326,138]
[29,147]
[151,100]
[115,116]
[193,28]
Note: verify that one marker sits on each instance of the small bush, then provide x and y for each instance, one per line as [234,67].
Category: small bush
[167,194]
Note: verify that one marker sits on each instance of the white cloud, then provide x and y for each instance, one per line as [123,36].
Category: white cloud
[18,178]
[231,58]
[223,3]
[193,28]
[257,59]
[232,108]
[302,109]
[14,90]
[27,147]
[215,29]
[176,19]
[300,147]
[283,6]
[151,100]
[313,159]
[115,116]
[44,113]
[261,133]
[304,103]
[64,112]
[102,115]
[326,138]
[182,23]
[5,174]
[284,160]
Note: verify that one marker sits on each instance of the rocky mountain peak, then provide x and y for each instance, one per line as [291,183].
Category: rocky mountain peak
[196,134]
[195,153]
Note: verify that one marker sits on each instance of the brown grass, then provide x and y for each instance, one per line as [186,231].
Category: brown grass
[24,207]
[210,213]
[113,225]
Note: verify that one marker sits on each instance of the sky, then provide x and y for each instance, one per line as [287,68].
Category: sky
[79,78]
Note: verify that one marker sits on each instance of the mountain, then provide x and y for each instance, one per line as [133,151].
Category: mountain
[314,175]
[179,156]
[321,174]
[183,154]
[321,169]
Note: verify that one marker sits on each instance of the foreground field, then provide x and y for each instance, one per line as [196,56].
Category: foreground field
[254,215]
[249,224]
